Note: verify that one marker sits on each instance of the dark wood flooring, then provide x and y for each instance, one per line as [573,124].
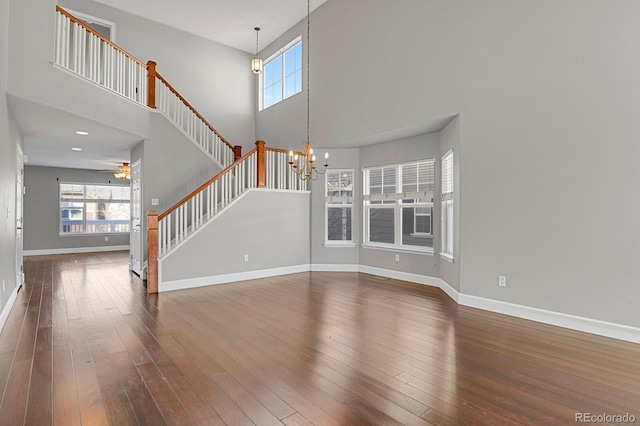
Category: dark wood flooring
[85,344]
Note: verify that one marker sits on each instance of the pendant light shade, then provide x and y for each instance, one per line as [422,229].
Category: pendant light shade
[256,62]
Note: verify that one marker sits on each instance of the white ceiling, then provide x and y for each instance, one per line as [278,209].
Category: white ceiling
[49,134]
[229,22]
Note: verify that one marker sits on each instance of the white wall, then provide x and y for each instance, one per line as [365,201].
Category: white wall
[547,94]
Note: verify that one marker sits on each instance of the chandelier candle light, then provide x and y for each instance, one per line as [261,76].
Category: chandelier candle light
[307,169]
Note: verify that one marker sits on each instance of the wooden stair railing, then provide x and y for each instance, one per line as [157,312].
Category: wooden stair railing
[83,51]
[261,167]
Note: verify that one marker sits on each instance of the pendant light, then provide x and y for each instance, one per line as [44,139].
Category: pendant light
[256,62]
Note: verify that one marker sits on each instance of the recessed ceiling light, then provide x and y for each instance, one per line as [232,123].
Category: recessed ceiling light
[81,133]
[76,149]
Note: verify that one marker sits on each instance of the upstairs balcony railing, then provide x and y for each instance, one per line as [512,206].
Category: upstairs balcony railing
[82,51]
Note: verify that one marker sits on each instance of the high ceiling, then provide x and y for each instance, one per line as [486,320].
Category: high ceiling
[49,134]
[227,22]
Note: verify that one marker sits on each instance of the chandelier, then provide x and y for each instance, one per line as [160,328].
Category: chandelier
[256,62]
[305,165]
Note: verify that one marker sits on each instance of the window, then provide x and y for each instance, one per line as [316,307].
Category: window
[339,207]
[93,209]
[282,76]
[447,205]
[398,205]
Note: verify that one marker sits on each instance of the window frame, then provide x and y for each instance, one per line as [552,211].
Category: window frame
[280,53]
[447,206]
[397,201]
[332,201]
[84,201]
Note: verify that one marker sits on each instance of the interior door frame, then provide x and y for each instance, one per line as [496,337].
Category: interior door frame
[19,216]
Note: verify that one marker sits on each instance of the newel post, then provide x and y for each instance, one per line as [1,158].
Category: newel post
[151,84]
[152,252]
[261,169]
[237,153]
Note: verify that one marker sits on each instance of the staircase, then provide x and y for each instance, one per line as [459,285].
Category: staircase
[87,54]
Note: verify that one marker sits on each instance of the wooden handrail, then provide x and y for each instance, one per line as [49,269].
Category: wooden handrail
[188,105]
[103,38]
[284,151]
[204,185]
[151,74]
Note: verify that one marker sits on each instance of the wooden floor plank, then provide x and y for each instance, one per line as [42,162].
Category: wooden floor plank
[85,344]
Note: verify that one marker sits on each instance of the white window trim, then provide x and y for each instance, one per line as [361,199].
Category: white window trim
[447,246]
[397,197]
[338,202]
[91,19]
[84,212]
[280,52]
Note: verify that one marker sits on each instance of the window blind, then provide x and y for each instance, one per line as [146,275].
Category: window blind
[447,175]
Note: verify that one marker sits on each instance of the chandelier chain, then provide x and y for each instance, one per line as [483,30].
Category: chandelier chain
[308,61]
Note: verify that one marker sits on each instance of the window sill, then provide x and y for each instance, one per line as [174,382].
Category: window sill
[447,257]
[423,252]
[339,244]
[94,234]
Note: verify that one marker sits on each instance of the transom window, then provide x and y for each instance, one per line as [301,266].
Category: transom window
[339,206]
[94,209]
[282,76]
[398,206]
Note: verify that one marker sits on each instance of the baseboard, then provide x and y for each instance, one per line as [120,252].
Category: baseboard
[320,267]
[227,278]
[399,275]
[588,325]
[72,250]
[7,309]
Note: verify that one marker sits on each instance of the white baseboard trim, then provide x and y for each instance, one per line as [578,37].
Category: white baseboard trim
[228,278]
[7,309]
[588,325]
[72,250]
[320,267]
[399,275]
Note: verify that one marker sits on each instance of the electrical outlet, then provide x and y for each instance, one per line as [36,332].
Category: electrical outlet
[502,281]
[246,257]
[106,238]
[397,258]
[155,202]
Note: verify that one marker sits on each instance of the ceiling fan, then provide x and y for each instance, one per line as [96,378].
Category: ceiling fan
[122,172]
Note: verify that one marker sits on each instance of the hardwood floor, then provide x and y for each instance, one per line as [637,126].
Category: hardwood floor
[85,344]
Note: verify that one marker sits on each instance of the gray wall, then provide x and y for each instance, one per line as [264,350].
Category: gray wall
[211,76]
[547,94]
[7,170]
[271,227]
[42,209]
[172,167]
[339,159]
[32,76]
